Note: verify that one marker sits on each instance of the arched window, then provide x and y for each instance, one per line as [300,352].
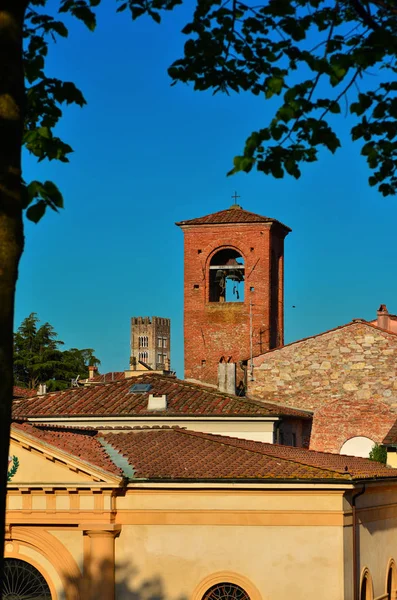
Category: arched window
[226,591]
[391,583]
[21,581]
[143,356]
[226,277]
[366,592]
[143,341]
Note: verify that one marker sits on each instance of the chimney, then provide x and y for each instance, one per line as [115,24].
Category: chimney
[227,377]
[42,389]
[167,365]
[383,317]
[92,371]
[157,402]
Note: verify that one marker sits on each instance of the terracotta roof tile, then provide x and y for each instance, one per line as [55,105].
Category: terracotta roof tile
[107,377]
[172,453]
[180,454]
[78,443]
[20,392]
[234,214]
[116,399]
[391,437]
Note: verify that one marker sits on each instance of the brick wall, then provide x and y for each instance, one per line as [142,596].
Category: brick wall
[356,362]
[345,418]
[214,329]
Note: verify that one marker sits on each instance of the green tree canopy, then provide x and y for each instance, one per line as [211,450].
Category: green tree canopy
[317,60]
[39,359]
[378,453]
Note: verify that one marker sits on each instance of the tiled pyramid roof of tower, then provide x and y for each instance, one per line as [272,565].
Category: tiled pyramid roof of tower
[119,399]
[234,214]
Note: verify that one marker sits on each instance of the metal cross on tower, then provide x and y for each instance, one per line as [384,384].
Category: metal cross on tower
[235,197]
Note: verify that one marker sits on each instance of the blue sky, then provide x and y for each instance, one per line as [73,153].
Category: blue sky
[147,155]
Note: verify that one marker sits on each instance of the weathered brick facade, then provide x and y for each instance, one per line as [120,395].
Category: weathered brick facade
[346,418]
[219,328]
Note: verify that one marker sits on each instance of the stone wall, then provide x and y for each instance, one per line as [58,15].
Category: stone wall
[356,362]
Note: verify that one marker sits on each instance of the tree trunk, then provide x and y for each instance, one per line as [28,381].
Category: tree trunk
[11,228]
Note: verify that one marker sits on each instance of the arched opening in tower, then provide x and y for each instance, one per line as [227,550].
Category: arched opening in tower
[226,277]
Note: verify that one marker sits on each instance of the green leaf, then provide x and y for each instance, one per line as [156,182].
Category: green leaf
[60,28]
[53,194]
[274,85]
[36,212]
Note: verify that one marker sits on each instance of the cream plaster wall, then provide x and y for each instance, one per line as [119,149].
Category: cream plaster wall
[282,562]
[392,457]
[377,541]
[295,501]
[377,536]
[261,431]
[73,541]
[35,468]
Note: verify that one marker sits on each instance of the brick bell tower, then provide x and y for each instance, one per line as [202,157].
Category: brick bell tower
[233,290]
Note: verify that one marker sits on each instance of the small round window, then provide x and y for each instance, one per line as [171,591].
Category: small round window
[22,581]
[226,591]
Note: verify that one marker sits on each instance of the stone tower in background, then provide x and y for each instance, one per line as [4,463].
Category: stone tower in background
[151,342]
[233,290]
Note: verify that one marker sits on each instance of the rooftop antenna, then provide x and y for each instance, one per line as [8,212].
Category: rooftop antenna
[251,345]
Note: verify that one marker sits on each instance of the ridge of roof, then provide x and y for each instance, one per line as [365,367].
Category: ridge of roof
[316,335]
[234,214]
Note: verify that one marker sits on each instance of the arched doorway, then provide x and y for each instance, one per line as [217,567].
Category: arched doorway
[22,581]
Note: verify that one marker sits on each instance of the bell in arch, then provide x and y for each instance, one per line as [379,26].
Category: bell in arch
[235,274]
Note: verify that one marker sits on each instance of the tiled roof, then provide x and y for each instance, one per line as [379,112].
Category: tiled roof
[341,463]
[116,399]
[180,454]
[234,214]
[106,377]
[391,438]
[78,443]
[172,453]
[20,392]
